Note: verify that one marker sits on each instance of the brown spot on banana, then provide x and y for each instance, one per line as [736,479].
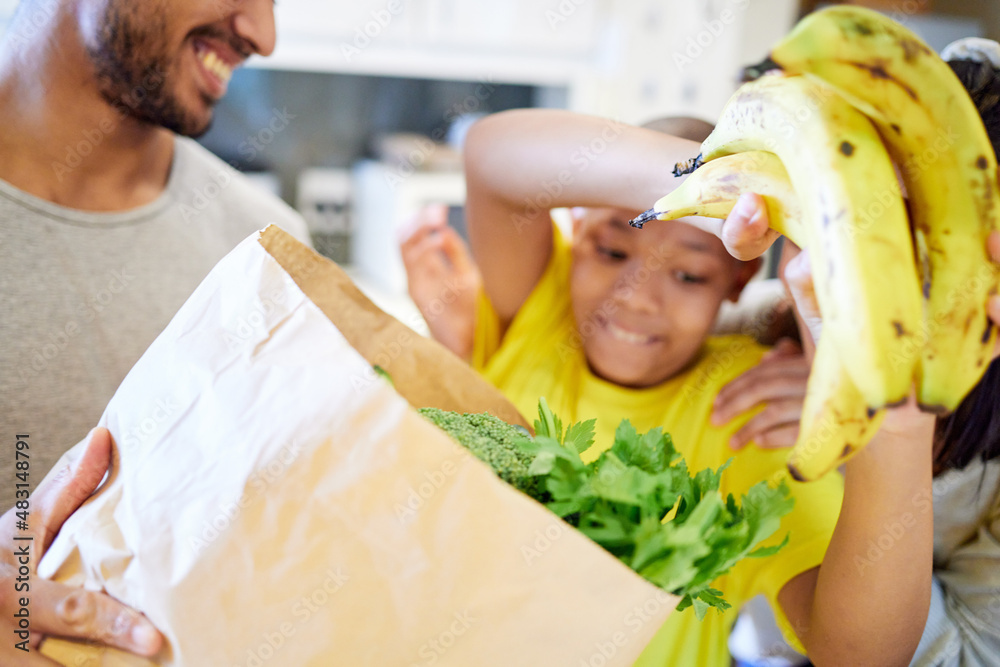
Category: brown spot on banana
[982,162]
[896,128]
[847,450]
[936,409]
[877,71]
[847,148]
[900,329]
[912,49]
[862,28]
[986,334]
[871,412]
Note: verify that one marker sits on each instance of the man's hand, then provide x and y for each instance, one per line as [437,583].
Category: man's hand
[56,609]
[778,383]
[442,278]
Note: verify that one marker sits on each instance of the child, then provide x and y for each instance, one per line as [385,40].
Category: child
[616,324]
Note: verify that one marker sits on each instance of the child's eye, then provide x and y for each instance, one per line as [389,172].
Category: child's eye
[690,278]
[611,253]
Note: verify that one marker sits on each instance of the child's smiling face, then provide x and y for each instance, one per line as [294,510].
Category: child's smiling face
[645,300]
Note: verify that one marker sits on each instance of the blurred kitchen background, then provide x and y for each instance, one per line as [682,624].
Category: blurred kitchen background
[357,118]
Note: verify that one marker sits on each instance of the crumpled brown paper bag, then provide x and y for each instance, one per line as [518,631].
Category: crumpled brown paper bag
[273,502]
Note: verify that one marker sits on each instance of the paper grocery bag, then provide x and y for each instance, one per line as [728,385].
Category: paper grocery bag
[276,503]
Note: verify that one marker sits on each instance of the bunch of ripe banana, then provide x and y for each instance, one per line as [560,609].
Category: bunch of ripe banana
[903,298]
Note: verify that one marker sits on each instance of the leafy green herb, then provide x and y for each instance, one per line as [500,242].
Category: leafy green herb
[621,500]
[381,372]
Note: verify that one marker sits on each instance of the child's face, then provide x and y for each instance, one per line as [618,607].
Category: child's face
[645,300]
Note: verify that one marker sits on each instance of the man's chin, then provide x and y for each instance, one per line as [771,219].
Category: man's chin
[176,120]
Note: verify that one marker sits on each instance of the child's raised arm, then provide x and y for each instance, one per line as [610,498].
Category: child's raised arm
[519,164]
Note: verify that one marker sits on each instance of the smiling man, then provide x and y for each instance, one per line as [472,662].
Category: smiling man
[110,216]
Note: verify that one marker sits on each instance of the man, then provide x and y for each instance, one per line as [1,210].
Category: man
[110,216]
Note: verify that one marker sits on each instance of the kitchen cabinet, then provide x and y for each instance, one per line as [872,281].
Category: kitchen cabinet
[629,60]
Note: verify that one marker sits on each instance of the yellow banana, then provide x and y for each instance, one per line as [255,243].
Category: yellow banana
[713,189]
[856,227]
[836,422]
[934,133]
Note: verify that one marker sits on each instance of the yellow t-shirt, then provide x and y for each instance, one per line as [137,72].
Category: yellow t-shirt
[540,355]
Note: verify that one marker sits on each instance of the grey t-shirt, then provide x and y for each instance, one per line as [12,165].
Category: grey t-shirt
[963,625]
[82,295]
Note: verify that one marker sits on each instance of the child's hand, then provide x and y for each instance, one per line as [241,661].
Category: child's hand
[443,280]
[778,383]
[796,273]
[746,233]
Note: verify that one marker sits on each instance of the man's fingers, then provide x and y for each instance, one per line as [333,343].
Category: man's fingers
[779,437]
[30,659]
[745,232]
[73,612]
[785,347]
[993,246]
[60,495]
[778,414]
[776,379]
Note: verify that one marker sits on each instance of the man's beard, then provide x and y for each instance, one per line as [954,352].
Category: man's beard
[131,67]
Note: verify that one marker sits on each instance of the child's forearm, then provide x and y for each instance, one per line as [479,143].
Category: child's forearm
[520,164]
[873,589]
[570,159]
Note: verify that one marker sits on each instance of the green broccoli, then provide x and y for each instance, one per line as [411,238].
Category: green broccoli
[621,498]
[494,442]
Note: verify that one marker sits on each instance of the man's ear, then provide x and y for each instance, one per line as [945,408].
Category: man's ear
[744,272]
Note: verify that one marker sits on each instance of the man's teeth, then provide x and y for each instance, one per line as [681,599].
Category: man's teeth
[216,66]
[628,336]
